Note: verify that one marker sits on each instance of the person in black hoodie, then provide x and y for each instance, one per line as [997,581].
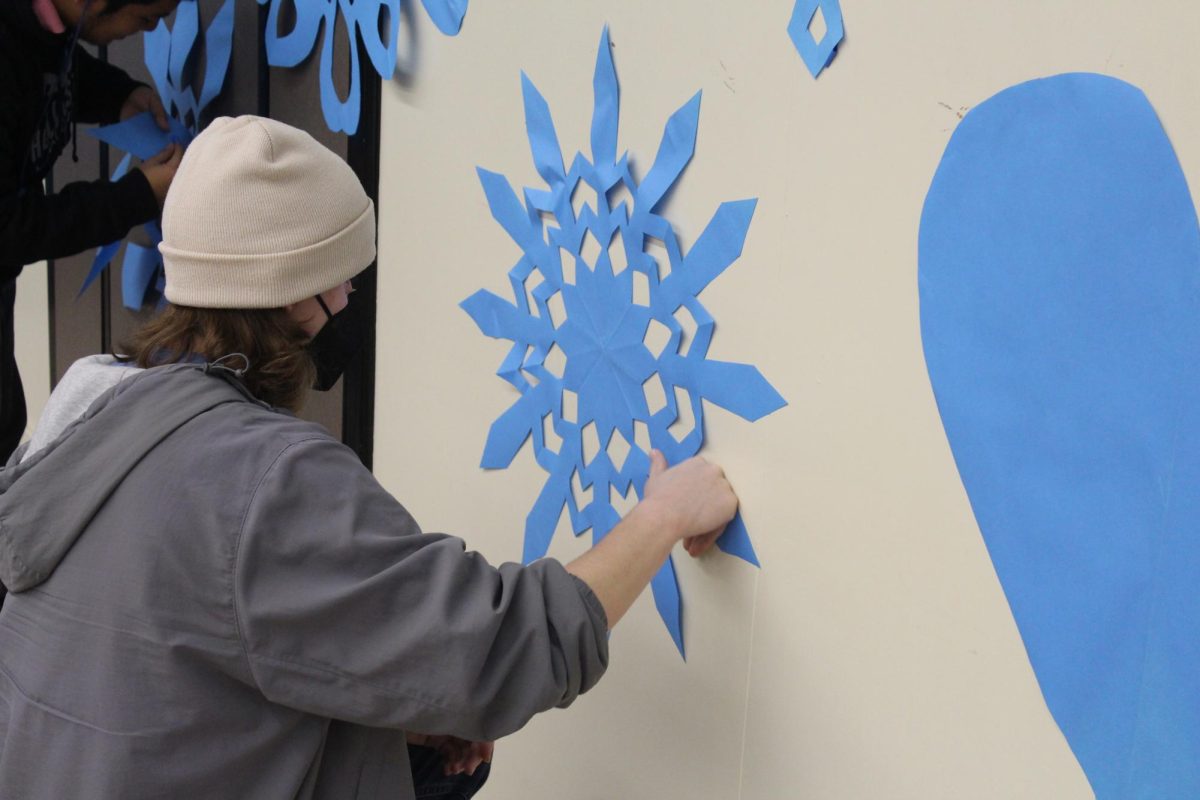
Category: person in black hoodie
[48,82]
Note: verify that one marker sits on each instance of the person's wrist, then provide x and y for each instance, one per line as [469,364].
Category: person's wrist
[662,519]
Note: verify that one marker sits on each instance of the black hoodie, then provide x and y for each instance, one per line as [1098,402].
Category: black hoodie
[41,94]
[45,87]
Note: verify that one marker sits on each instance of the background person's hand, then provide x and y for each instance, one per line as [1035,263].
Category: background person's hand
[160,170]
[696,494]
[461,755]
[141,99]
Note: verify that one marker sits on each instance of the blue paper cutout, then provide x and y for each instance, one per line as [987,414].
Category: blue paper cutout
[816,55]
[603,334]
[167,53]
[365,20]
[1060,314]
[447,15]
[169,50]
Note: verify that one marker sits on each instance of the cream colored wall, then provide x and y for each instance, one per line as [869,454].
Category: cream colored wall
[874,655]
[31,329]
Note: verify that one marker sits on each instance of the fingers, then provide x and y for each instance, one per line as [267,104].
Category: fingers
[472,763]
[169,153]
[697,546]
[459,756]
[453,752]
[480,752]
[658,463]
[160,113]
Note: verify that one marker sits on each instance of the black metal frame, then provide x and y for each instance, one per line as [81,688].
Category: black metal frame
[358,391]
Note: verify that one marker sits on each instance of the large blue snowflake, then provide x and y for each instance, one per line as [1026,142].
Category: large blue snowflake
[600,320]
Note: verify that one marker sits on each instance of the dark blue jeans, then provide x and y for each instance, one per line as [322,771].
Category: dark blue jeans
[432,784]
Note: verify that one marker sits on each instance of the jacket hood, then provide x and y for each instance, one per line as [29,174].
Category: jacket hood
[48,500]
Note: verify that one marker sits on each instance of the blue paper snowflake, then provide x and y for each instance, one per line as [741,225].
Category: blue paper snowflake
[171,54]
[614,370]
[375,22]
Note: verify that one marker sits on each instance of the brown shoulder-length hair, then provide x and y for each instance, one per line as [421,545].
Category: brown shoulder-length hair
[280,368]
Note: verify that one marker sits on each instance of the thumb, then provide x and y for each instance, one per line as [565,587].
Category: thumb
[658,463]
[163,157]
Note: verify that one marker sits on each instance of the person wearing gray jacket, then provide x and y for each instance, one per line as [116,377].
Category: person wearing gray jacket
[211,598]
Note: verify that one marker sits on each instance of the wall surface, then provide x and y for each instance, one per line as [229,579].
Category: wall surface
[31,328]
[873,655]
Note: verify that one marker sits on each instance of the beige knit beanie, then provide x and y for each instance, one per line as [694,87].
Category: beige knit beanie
[260,215]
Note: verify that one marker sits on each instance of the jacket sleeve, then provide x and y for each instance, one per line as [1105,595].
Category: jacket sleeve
[100,89]
[347,610]
[34,226]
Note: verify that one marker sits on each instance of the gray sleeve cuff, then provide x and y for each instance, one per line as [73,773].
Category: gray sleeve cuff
[599,616]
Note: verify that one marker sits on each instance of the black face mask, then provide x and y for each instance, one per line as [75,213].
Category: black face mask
[337,343]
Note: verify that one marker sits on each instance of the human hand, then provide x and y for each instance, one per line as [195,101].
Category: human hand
[461,755]
[695,495]
[160,170]
[142,99]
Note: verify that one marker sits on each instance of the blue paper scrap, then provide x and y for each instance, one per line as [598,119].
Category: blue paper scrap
[1059,283]
[375,22]
[816,54]
[141,136]
[609,364]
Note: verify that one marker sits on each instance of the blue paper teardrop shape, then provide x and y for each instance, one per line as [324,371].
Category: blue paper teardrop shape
[1059,283]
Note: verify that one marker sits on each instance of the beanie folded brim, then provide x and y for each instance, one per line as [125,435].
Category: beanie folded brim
[269,280]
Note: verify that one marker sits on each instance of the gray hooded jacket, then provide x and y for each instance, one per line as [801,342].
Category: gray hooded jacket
[214,599]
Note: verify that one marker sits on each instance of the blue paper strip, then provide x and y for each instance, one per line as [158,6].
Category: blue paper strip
[139,271]
[106,253]
[218,50]
[156,48]
[608,365]
[816,55]
[183,38]
[1060,315]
